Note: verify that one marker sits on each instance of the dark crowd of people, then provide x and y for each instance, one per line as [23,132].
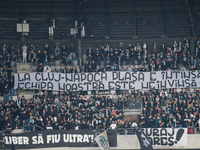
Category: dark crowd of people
[68,110]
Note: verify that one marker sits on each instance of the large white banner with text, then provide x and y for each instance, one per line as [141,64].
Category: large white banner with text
[107,80]
[167,136]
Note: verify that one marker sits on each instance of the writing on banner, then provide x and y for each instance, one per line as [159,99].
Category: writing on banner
[167,136]
[56,138]
[107,80]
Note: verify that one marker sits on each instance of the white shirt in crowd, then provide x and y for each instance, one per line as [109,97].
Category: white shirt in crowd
[24,49]
[134,124]
[47,69]
[113,126]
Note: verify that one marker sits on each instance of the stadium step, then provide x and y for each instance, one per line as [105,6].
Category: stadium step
[27,96]
[24,67]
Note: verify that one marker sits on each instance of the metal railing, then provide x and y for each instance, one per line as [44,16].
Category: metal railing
[120,131]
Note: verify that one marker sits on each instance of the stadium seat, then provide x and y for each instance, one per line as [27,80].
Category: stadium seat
[58,69]
[53,68]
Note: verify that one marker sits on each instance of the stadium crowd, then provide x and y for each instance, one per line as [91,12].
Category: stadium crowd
[67,110]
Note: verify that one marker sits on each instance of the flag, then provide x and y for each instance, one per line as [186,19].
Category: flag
[102,141]
[145,144]
[13,146]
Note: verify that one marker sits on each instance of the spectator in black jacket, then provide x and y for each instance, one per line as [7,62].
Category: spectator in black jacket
[40,68]
[5,94]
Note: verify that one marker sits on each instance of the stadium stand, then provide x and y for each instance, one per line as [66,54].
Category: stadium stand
[128,44]
[36,110]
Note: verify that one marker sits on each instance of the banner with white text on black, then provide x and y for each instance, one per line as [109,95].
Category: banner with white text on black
[55,138]
[107,80]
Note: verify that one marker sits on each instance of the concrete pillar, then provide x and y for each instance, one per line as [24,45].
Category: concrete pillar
[80,52]
[192,45]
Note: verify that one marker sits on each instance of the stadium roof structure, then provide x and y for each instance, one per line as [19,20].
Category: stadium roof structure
[103,18]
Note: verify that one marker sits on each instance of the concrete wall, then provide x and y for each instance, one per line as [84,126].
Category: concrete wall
[128,142]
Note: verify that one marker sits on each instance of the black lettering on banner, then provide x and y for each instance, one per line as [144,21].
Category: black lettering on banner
[163,75]
[68,87]
[124,84]
[176,74]
[148,133]
[151,76]
[172,132]
[169,75]
[109,85]
[101,86]
[27,85]
[163,132]
[50,76]
[67,78]
[34,85]
[156,141]
[90,77]
[130,85]
[80,86]
[187,83]
[134,77]
[127,76]
[26,77]
[185,74]
[19,79]
[182,75]
[87,84]
[76,77]
[169,82]
[181,85]
[176,84]
[158,84]
[194,84]
[95,76]
[151,85]
[163,141]
[43,85]
[49,86]
[143,87]
[74,87]
[117,85]
[37,76]
[20,85]
[83,77]
[198,75]
[38,85]
[193,73]
[44,79]
[155,132]
[171,141]
[141,76]
[114,75]
[163,86]
[179,79]
[94,85]
[61,88]
[104,76]
[59,78]
[120,78]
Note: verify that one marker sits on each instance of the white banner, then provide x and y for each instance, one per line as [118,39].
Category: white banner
[107,80]
[167,136]
[102,141]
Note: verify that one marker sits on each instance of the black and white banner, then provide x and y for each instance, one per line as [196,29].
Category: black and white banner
[145,144]
[166,136]
[56,138]
[107,80]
